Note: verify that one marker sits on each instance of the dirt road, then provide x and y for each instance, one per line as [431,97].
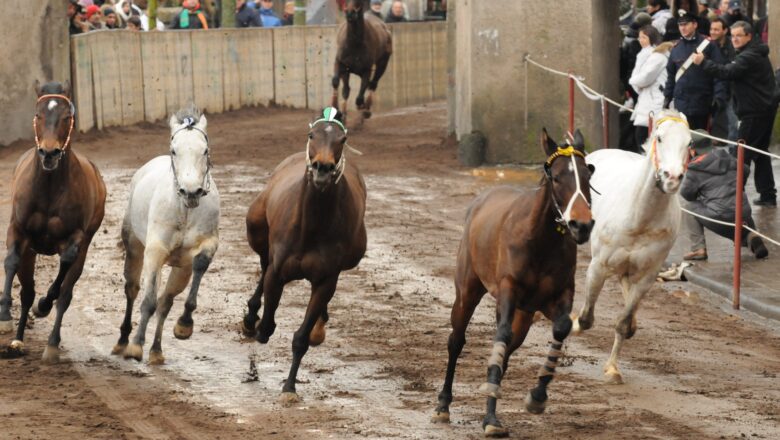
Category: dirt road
[695,369]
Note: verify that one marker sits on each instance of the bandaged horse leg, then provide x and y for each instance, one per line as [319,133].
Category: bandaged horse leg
[67,257]
[504,335]
[537,397]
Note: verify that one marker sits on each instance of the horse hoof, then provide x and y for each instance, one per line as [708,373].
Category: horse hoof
[156,358]
[534,406]
[134,351]
[366,115]
[51,355]
[576,328]
[441,417]
[495,431]
[613,377]
[490,390]
[17,346]
[38,313]
[182,332]
[118,349]
[317,335]
[288,399]
[246,330]
[6,326]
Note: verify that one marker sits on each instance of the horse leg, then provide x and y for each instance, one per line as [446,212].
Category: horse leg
[317,335]
[259,240]
[200,263]
[134,260]
[337,71]
[504,336]
[272,292]
[345,95]
[67,258]
[154,257]
[16,249]
[381,66]
[625,327]
[360,99]
[562,323]
[321,294]
[594,283]
[25,273]
[73,256]
[177,281]
[466,300]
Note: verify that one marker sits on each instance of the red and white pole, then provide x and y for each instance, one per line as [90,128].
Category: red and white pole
[571,103]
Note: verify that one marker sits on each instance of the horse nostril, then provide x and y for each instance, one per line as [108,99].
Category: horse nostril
[574,225]
[199,192]
[666,174]
[182,192]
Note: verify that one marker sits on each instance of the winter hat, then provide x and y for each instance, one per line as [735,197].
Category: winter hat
[642,19]
[701,144]
[91,10]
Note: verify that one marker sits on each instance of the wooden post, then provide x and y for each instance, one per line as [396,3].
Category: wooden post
[299,19]
[738,225]
[228,15]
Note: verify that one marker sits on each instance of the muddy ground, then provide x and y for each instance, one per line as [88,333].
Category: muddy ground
[695,368]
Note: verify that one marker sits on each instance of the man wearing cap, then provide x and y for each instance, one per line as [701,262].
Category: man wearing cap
[696,93]
[710,189]
[756,100]
[376,8]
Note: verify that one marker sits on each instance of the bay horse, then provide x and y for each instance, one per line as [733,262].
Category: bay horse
[364,42]
[58,205]
[522,248]
[639,216]
[172,218]
[306,224]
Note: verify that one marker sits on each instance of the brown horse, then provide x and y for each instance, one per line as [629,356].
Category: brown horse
[58,204]
[364,41]
[307,223]
[519,246]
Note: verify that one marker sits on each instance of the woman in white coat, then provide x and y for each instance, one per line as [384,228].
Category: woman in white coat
[648,79]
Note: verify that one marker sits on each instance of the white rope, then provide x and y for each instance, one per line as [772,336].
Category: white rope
[595,96]
[731,225]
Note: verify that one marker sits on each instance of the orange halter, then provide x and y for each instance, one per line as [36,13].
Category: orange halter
[66,144]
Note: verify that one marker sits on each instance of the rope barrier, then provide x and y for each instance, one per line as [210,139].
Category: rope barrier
[595,96]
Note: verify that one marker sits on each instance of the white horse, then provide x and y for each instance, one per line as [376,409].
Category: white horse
[172,218]
[637,217]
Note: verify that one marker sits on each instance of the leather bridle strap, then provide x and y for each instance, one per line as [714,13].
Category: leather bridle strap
[66,144]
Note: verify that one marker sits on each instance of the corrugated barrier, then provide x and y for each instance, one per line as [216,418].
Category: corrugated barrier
[122,77]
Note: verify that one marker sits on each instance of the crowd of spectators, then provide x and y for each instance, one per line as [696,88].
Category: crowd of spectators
[709,60]
[93,15]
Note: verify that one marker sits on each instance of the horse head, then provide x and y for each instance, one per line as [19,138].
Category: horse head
[667,148]
[354,9]
[190,160]
[53,122]
[569,178]
[325,159]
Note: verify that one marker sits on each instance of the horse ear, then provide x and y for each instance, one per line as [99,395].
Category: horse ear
[37,87]
[173,122]
[548,145]
[202,122]
[578,142]
[66,88]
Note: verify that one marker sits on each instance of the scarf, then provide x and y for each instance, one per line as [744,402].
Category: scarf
[184,17]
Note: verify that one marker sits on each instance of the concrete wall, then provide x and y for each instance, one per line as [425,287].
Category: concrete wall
[489,92]
[35,46]
[122,77]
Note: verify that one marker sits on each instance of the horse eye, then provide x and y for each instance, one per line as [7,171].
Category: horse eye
[205,153]
[311,135]
[173,152]
[659,139]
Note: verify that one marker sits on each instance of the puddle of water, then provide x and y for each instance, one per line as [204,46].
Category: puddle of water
[528,176]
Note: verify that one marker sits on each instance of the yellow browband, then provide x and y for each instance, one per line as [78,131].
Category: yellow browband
[568,151]
[671,118]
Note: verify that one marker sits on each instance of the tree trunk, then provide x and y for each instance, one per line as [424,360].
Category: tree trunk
[228,13]
[299,19]
[151,11]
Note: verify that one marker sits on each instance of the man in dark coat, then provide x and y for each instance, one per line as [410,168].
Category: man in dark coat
[710,189]
[247,16]
[756,99]
[696,93]
[724,122]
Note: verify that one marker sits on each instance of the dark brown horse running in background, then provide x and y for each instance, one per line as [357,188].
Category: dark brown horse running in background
[307,223]
[58,205]
[364,41]
[520,246]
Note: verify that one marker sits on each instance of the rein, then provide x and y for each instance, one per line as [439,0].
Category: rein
[569,152]
[189,124]
[65,144]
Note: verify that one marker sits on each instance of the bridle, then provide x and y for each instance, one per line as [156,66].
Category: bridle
[654,147]
[189,124]
[66,144]
[329,115]
[569,152]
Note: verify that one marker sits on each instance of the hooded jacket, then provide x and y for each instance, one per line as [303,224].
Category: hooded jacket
[752,79]
[711,181]
[648,79]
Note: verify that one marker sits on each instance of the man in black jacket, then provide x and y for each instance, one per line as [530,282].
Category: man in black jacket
[756,98]
[710,188]
[696,93]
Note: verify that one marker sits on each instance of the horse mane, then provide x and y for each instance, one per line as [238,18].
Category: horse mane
[188,112]
[52,88]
